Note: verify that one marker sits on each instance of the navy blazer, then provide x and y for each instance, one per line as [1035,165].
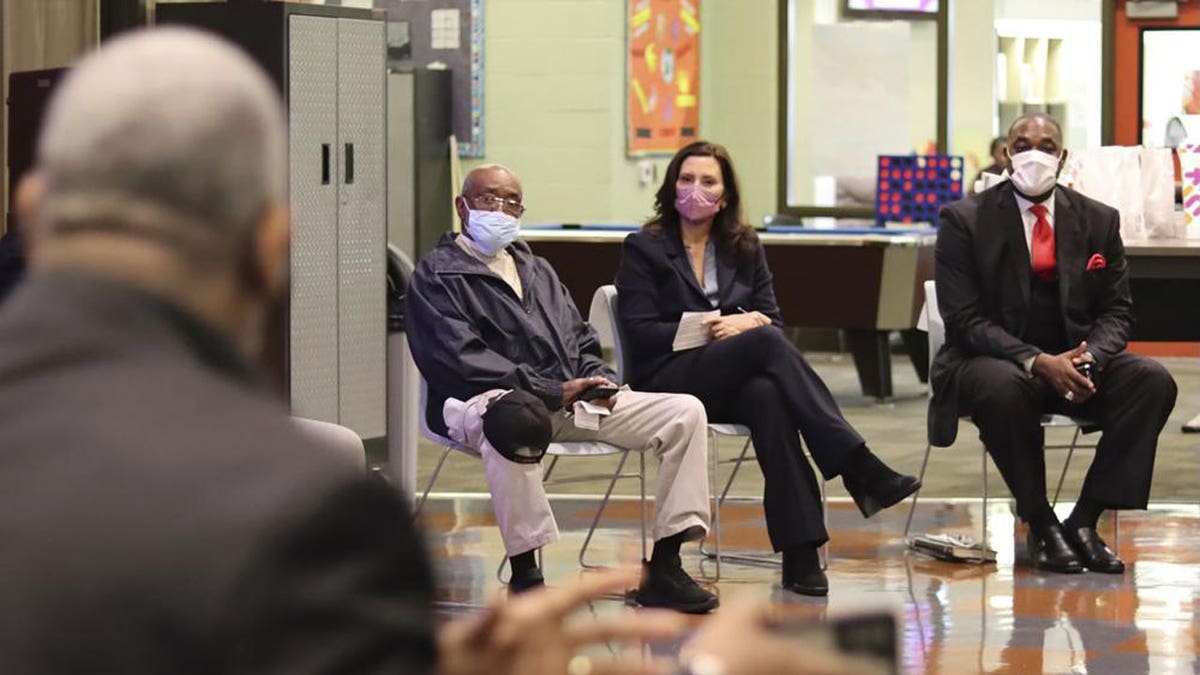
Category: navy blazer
[656,284]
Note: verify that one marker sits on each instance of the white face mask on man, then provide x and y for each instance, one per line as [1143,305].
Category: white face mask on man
[491,231]
[1034,172]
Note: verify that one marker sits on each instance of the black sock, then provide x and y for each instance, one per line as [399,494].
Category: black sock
[1086,513]
[1042,518]
[801,559]
[666,550]
[523,565]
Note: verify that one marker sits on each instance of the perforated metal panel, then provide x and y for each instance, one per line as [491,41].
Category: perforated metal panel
[362,227]
[312,98]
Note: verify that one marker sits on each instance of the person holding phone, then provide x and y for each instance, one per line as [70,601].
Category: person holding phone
[1033,284]
[698,254]
[509,361]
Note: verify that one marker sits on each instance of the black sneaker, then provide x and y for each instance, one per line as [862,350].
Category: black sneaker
[667,586]
[527,581]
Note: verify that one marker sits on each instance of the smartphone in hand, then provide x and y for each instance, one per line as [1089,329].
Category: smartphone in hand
[869,635]
[1084,369]
[597,393]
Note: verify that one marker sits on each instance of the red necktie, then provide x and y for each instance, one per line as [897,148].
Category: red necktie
[1041,245]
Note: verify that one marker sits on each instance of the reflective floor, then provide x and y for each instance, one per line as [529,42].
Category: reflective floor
[955,618]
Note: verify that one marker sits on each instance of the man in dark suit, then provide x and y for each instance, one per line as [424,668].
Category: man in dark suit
[159,510]
[1033,286]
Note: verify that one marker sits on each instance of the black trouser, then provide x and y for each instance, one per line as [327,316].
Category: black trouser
[1134,395]
[758,378]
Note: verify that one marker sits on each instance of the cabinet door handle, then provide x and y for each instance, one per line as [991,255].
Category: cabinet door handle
[349,164]
[325,156]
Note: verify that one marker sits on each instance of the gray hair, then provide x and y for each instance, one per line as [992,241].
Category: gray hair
[169,133]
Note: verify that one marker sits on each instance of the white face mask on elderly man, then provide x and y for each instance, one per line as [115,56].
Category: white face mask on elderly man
[491,231]
[1034,172]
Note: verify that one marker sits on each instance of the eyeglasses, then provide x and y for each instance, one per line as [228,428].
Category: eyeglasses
[493,203]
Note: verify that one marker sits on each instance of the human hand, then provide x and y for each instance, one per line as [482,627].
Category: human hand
[1060,373]
[759,650]
[529,633]
[572,389]
[733,324]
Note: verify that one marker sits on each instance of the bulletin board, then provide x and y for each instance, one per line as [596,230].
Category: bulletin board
[449,34]
[662,75]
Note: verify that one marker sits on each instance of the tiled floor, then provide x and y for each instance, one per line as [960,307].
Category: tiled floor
[955,618]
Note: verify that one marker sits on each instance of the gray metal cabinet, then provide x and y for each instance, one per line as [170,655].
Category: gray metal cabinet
[329,63]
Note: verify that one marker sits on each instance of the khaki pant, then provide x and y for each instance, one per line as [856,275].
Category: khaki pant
[672,426]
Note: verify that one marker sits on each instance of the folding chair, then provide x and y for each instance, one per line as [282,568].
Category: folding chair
[603,316]
[555,451]
[932,317]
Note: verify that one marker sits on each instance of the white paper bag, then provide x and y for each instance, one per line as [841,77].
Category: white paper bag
[1113,176]
[1158,189]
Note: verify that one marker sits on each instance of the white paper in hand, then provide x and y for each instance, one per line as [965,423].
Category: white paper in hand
[587,415]
[693,330]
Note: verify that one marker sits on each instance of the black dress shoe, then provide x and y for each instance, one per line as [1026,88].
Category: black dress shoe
[802,573]
[873,484]
[666,585]
[1092,551]
[1049,550]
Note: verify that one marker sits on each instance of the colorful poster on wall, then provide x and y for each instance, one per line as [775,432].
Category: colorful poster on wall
[663,75]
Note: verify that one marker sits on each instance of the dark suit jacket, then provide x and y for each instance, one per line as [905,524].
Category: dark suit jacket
[160,514]
[656,285]
[983,286]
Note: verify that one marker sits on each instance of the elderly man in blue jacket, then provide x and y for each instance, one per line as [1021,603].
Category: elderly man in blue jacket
[508,358]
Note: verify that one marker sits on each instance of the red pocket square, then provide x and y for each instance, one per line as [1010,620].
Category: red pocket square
[1096,262]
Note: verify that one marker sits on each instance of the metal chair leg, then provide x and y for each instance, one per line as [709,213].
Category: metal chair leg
[1066,465]
[429,486]
[912,509]
[550,469]
[642,504]
[716,515]
[983,453]
[600,512]
[719,499]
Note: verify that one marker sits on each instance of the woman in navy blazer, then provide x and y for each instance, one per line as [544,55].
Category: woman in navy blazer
[697,254]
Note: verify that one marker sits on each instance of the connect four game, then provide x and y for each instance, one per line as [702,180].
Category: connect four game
[909,189]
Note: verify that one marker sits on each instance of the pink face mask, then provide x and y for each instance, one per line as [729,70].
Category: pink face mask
[695,203]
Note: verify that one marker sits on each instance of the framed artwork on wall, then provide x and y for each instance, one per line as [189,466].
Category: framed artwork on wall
[662,97]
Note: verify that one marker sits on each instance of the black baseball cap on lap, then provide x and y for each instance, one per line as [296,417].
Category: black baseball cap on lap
[517,425]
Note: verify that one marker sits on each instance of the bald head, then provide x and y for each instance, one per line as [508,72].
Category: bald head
[487,183]
[488,177]
[170,134]
[1035,130]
